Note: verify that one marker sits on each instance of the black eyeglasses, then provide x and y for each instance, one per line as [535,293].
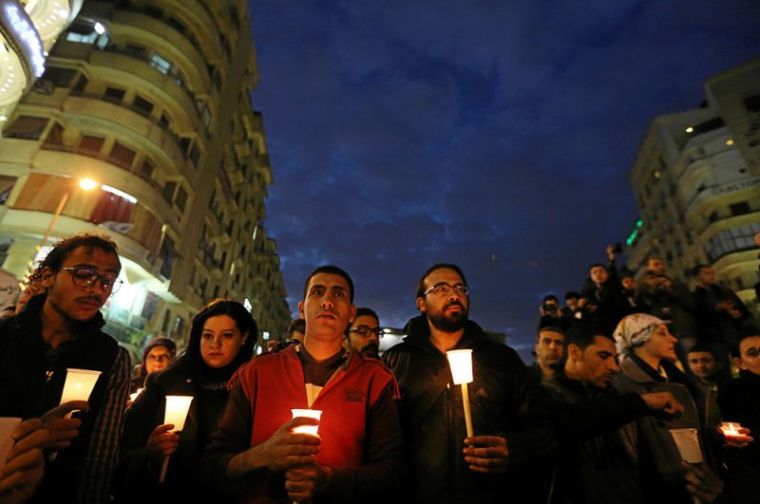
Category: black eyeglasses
[84,276]
[367,331]
[444,289]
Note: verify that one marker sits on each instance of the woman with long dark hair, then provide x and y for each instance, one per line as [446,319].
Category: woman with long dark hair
[221,340]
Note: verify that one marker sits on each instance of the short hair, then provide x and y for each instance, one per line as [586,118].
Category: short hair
[749,329]
[296,325]
[698,268]
[421,282]
[583,333]
[700,347]
[595,265]
[572,294]
[237,312]
[550,297]
[550,328]
[55,258]
[366,311]
[331,270]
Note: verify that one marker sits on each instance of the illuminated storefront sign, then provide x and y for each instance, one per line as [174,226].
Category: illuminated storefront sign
[19,29]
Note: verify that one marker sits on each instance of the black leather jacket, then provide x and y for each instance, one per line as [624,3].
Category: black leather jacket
[503,403]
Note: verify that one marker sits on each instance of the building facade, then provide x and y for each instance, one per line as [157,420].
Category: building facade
[696,179]
[150,99]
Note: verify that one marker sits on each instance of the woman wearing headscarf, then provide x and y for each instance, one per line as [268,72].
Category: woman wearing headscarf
[647,353]
[221,340]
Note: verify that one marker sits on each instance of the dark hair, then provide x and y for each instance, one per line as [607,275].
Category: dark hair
[237,312]
[550,328]
[296,325]
[696,269]
[421,282]
[595,265]
[55,258]
[366,311]
[582,334]
[332,270]
[748,330]
[699,347]
[572,294]
[550,297]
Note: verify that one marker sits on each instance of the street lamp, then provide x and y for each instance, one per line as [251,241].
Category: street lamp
[85,184]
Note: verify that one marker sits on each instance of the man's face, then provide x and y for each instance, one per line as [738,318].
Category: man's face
[363,331]
[572,303]
[157,359]
[657,265]
[72,301]
[550,347]
[446,312]
[327,308]
[628,283]
[706,276]
[598,274]
[702,364]
[749,349]
[597,364]
[661,345]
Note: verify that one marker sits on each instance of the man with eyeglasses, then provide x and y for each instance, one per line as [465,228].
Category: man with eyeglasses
[494,465]
[364,334]
[60,328]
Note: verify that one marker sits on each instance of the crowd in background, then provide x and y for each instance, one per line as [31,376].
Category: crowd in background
[631,376]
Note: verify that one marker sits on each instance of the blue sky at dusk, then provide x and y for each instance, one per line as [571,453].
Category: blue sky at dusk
[497,135]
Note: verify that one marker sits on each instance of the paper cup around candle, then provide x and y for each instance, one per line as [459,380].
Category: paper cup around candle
[688,445]
[176,410]
[308,413]
[460,362]
[7,426]
[79,384]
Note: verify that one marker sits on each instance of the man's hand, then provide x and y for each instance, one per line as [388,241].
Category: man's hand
[62,427]
[25,466]
[663,401]
[486,454]
[611,252]
[283,450]
[306,482]
[740,440]
[702,483]
[162,441]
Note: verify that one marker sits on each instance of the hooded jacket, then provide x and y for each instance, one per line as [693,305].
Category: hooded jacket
[503,403]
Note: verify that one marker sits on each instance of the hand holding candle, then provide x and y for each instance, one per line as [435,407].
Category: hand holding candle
[735,435]
[174,414]
[460,362]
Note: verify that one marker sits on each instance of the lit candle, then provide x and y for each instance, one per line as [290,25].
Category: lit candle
[460,362]
[731,430]
[79,384]
[175,414]
[308,413]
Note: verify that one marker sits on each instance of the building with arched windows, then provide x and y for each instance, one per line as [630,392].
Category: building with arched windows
[696,180]
[150,99]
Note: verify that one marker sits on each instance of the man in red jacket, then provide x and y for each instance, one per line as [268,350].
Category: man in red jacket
[358,455]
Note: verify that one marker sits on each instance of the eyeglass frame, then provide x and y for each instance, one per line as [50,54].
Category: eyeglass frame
[111,286]
[365,331]
[444,289]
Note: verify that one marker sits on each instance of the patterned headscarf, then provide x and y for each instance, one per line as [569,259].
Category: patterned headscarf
[634,330]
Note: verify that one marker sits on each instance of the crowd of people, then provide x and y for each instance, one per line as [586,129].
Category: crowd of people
[627,400]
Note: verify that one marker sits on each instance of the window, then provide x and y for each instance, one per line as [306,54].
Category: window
[168,192]
[81,84]
[713,216]
[164,121]
[167,254]
[26,127]
[142,105]
[195,155]
[181,199]
[54,137]
[82,38]
[6,186]
[91,144]
[59,77]
[146,169]
[160,63]
[176,24]
[121,155]
[113,94]
[740,208]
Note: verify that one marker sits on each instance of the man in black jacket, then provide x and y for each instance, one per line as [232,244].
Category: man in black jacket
[445,465]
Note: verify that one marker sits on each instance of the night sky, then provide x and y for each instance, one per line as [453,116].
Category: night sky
[497,135]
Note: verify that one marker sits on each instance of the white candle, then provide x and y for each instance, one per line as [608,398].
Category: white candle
[79,384]
[175,414]
[460,362]
[308,413]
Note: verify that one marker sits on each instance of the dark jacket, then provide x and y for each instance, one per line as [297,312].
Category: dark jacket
[503,403]
[597,462]
[32,375]
[610,301]
[717,326]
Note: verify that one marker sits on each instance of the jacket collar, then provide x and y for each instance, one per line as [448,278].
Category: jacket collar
[29,321]
[418,334]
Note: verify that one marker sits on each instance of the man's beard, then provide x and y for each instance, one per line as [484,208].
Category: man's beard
[449,323]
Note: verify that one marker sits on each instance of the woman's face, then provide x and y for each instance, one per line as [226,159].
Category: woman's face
[662,344]
[221,341]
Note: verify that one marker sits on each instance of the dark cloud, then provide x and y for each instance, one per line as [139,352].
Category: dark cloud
[494,134]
